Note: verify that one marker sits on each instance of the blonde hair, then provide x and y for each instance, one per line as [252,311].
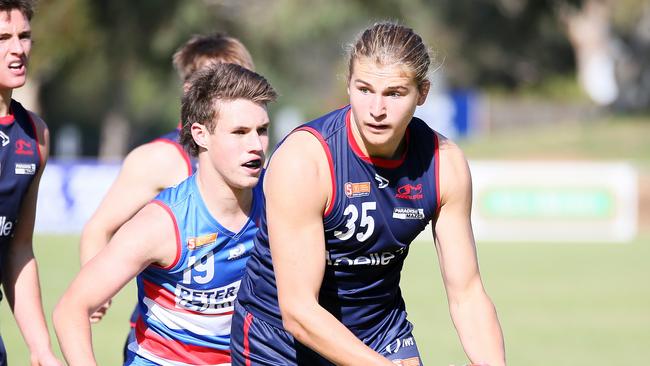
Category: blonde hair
[390,43]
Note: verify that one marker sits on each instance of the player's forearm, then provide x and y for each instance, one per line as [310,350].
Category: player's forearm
[73,332]
[24,297]
[476,321]
[316,328]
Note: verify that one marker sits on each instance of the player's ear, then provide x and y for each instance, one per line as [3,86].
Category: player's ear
[200,134]
[423,90]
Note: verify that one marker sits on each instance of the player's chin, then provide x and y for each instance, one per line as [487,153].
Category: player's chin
[249,181]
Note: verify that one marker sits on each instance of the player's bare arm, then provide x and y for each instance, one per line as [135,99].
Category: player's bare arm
[148,238]
[146,171]
[298,250]
[471,309]
[20,277]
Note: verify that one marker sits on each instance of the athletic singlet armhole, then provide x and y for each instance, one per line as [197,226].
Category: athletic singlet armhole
[176,232]
[436,156]
[330,162]
[184,154]
[38,145]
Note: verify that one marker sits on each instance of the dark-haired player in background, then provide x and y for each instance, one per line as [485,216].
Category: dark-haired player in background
[24,149]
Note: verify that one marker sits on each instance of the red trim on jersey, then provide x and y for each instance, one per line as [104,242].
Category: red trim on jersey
[173,350]
[167,299]
[8,119]
[330,161]
[247,347]
[436,156]
[178,235]
[38,146]
[380,162]
[180,125]
[183,153]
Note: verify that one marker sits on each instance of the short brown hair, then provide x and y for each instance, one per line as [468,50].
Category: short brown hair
[216,47]
[219,83]
[390,43]
[24,6]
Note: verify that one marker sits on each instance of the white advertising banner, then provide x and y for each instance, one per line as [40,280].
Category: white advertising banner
[554,201]
[69,193]
[526,201]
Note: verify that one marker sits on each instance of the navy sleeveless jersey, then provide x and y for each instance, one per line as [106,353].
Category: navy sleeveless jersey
[172,137]
[20,159]
[378,208]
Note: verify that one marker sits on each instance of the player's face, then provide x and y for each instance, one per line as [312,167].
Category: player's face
[383,100]
[15,45]
[237,146]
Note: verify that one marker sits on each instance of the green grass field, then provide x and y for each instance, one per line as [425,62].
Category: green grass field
[559,304]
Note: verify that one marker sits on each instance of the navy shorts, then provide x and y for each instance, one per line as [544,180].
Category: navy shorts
[256,342]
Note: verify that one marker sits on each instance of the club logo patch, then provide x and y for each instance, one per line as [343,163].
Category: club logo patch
[410,192]
[24,148]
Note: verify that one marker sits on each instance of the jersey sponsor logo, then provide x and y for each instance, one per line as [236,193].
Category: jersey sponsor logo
[25,169]
[209,301]
[381,181]
[398,344]
[407,213]
[371,259]
[236,252]
[199,241]
[411,361]
[410,192]
[353,190]
[6,226]
[24,148]
[4,139]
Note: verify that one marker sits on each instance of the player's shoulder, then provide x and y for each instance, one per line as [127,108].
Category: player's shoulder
[157,154]
[448,149]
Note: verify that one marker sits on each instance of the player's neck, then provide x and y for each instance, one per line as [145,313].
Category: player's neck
[228,205]
[5,101]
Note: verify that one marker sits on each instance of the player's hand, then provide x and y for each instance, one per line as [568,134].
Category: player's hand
[99,313]
[46,358]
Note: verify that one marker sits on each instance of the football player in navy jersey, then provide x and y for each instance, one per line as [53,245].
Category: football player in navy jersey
[346,194]
[24,144]
[159,164]
[189,246]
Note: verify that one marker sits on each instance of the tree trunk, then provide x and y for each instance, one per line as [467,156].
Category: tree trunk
[588,30]
[114,137]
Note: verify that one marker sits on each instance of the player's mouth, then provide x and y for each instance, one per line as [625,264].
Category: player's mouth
[377,127]
[17,67]
[254,164]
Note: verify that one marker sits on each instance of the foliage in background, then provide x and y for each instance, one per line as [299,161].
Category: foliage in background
[110,62]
